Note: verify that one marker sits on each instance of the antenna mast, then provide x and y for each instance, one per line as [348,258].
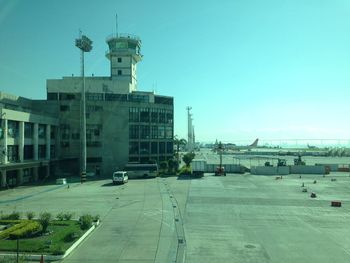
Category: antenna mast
[116,25]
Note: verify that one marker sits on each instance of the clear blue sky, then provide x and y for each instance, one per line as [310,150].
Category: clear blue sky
[249,68]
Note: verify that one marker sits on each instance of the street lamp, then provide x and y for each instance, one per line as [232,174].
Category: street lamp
[85,45]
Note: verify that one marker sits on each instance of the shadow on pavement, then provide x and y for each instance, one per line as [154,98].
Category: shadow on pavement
[189,177]
[111,184]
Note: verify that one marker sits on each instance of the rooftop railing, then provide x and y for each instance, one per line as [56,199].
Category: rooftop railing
[123,35]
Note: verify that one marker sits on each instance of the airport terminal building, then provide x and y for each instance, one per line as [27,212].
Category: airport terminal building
[122,124]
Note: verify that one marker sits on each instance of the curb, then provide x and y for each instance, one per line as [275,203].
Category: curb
[36,257]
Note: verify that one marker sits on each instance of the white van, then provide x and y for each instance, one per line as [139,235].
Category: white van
[120,177]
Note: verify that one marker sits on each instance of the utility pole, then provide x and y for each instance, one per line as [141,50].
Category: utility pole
[85,45]
[189,129]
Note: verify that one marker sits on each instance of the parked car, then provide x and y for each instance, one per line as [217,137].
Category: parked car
[120,177]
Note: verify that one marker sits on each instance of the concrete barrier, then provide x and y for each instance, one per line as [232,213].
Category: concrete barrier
[333,167]
[307,169]
[269,170]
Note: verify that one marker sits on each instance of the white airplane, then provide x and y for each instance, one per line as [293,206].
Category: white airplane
[234,147]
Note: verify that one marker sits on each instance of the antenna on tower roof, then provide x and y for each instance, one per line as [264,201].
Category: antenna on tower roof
[116,25]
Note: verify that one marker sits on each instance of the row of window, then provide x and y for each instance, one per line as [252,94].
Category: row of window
[145,159]
[93,132]
[66,144]
[13,130]
[89,108]
[150,132]
[91,96]
[28,152]
[150,115]
[146,148]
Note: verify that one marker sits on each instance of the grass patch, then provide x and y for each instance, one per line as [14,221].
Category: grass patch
[56,242]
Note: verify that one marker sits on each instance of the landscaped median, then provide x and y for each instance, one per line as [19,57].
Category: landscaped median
[54,239]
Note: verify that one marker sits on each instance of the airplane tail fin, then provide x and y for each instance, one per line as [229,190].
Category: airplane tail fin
[255,143]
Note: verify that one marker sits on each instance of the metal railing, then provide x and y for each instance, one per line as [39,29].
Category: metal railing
[123,35]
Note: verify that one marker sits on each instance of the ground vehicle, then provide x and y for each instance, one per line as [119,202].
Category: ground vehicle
[220,170]
[120,177]
[198,167]
[137,170]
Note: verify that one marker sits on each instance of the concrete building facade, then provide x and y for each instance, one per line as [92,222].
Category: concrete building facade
[123,124]
[28,140]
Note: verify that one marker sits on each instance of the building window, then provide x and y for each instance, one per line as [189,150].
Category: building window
[53,132]
[64,144]
[65,131]
[144,132]
[93,108]
[28,130]
[169,147]
[119,72]
[162,116]
[67,96]
[93,132]
[12,128]
[161,147]
[133,148]
[116,97]
[134,114]
[154,148]
[94,96]
[154,115]
[163,100]
[52,96]
[52,151]
[169,117]
[12,153]
[64,108]
[76,136]
[139,98]
[134,132]
[154,132]
[28,152]
[168,132]
[161,132]
[144,115]
[42,151]
[41,131]
[119,60]
[144,148]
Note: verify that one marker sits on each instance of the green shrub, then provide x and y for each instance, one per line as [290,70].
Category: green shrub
[60,216]
[70,237]
[185,170]
[13,216]
[10,222]
[187,158]
[29,229]
[6,233]
[68,216]
[30,215]
[58,250]
[44,220]
[85,221]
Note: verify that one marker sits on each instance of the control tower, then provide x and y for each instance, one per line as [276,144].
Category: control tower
[124,53]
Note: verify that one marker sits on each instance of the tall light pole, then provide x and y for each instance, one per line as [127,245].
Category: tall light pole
[189,129]
[85,45]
